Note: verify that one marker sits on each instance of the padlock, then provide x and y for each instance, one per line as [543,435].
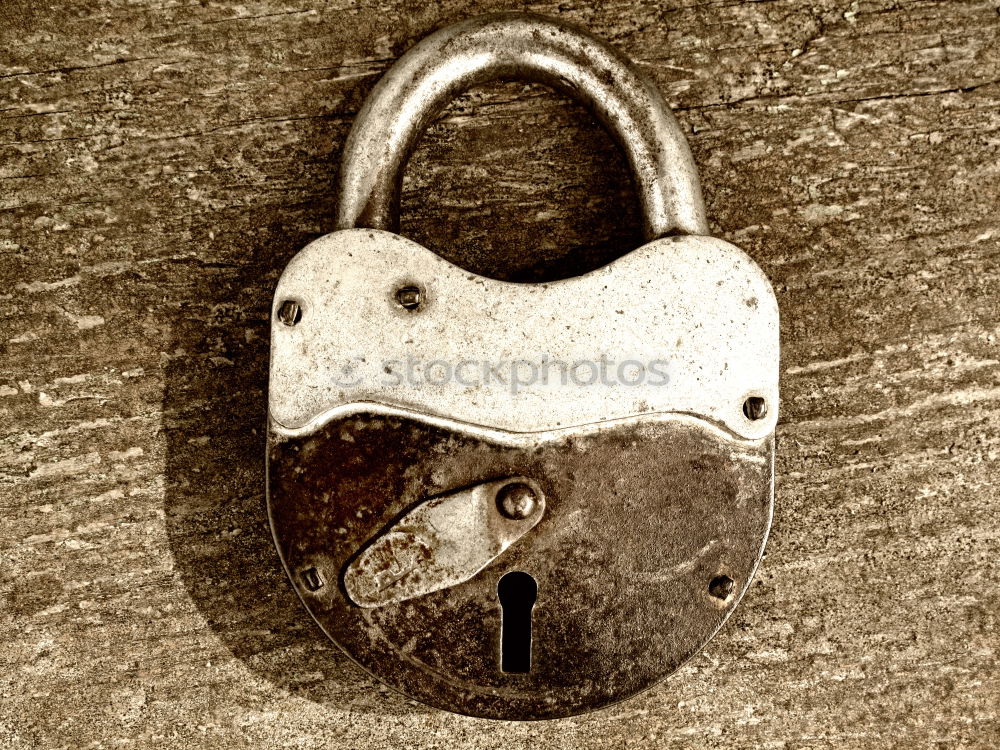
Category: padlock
[508,500]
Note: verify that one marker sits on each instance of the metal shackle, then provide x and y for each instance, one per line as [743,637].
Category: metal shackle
[524,46]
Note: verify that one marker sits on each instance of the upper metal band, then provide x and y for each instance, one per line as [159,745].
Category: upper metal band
[524,46]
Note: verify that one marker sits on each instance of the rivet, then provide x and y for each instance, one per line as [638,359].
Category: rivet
[290,312]
[313,579]
[721,587]
[516,501]
[755,408]
[408,297]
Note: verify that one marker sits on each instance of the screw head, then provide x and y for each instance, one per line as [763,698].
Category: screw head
[721,587]
[290,312]
[755,408]
[516,501]
[409,297]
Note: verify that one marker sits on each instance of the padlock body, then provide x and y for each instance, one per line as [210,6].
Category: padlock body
[654,491]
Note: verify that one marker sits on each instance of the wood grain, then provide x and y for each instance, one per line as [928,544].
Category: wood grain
[160,162]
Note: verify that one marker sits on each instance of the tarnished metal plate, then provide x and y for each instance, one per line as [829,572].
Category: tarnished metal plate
[683,324]
[651,533]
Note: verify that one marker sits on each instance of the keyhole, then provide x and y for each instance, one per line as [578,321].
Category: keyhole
[517,592]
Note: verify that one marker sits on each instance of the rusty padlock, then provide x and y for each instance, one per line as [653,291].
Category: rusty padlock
[520,501]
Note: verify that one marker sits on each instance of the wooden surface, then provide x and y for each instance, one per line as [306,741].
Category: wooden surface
[162,161]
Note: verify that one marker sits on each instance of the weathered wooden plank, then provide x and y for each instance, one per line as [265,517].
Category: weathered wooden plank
[160,164]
